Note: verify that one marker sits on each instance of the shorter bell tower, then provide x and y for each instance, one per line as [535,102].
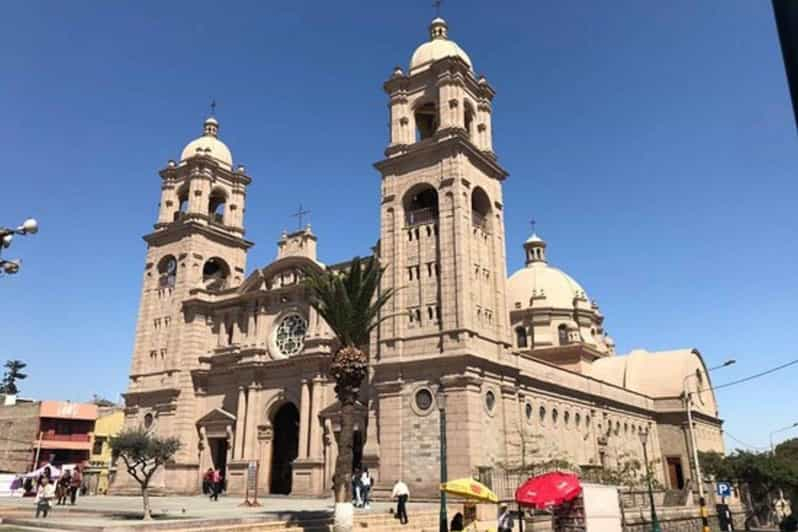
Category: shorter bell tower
[197,246]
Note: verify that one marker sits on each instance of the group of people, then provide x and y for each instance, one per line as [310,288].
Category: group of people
[48,489]
[361,488]
[212,483]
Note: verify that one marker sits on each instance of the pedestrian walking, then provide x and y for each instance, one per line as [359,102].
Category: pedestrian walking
[216,484]
[207,479]
[62,488]
[357,489]
[44,496]
[365,487]
[74,485]
[505,519]
[401,493]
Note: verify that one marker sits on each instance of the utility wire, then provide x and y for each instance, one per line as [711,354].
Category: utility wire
[741,442]
[752,377]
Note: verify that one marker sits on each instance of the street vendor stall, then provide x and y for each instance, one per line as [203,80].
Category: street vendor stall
[474,492]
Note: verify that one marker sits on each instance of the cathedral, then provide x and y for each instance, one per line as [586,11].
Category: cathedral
[233,362]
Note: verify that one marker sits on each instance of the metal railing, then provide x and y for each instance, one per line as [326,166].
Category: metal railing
[421,216]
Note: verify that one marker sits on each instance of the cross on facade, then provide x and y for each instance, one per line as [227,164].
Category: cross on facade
[532,222]
[213,107]
[299,214]
[437,5]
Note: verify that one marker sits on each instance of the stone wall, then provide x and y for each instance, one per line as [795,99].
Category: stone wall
[678,519]
[18,426]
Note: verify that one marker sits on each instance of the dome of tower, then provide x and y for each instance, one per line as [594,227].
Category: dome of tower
[209,145]
[553,287]
[438,47]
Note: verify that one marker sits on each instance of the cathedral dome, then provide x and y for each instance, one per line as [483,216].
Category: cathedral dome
[551,286]
[209,145]
[438,47]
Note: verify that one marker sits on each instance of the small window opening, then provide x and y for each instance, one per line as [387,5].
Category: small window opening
[469,121]
[520,337]
[480,209]
[562,333]
[422,207]
[426,121]
[167,272]
[215,273]
[216,205]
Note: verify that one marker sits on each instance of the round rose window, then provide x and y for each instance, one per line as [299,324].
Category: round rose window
[289,337]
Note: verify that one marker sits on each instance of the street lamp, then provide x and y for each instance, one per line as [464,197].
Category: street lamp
[688,401]
[654,521]
[28,227]
[440,399]
[788,427]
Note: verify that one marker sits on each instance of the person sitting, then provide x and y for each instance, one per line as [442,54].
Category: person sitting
[457,522]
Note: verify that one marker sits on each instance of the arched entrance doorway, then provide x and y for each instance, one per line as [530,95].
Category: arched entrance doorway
[285,447]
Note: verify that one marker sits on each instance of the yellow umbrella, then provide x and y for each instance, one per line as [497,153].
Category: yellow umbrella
[471,489]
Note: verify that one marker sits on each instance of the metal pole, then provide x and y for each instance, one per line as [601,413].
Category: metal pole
[444,520]
[688,398]
[38,451]
[654,521]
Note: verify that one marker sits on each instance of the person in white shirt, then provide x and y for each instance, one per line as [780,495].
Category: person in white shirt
[44,495]
[505,519]
[365,487]
[401,492]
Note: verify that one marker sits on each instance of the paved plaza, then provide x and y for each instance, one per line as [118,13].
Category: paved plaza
[123,512]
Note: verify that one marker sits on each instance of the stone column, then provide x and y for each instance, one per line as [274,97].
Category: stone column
[253,414]
[222,339]
[315,425]
[304,418]
[265,436]
[241,415]
[251,329]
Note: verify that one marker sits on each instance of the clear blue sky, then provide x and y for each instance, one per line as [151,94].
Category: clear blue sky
[652,141]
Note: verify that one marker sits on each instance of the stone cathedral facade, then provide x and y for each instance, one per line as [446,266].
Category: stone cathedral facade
[234,361]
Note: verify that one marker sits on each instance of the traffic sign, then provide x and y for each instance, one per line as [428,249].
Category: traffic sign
[723,489]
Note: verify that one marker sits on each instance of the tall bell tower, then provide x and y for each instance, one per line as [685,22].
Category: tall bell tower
[197,246]
[442,219]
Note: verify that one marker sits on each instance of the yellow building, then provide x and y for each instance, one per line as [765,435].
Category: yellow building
[101,470]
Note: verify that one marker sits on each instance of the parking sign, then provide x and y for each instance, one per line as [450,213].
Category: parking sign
[723,489]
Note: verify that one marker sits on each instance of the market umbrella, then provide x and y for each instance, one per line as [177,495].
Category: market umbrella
[471,489]
[548,490]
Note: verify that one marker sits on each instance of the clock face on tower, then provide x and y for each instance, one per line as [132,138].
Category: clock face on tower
[289,335]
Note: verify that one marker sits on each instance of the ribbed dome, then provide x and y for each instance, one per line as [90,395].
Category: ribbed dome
[438,47]
[209,145]
[556,288]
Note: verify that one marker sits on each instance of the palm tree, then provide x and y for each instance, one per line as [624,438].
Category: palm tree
[350,303]
[13,374]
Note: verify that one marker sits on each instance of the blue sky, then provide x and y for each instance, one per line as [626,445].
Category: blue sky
[652,141]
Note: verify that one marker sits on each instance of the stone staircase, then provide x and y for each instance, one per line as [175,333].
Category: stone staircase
[422,521]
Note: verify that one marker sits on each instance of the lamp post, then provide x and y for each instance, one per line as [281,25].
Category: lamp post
[782,429]
[440,399]
[688,402]
[28,227]
[654,521]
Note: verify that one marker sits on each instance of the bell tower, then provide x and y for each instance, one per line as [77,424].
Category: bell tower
[442,219]
[197,246]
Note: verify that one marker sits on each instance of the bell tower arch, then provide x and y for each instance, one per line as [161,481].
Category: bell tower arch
[442,219]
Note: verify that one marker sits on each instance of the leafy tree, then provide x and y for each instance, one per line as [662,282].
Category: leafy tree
[101,401]
[143,453]
[12,375]
[350,302]
[760,476]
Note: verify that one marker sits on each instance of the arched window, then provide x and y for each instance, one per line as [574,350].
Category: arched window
[562,333]
[421,206]
[182,200]
[216,206]
[520,337]
[167,272]
[469,120]
[480,208]
[426,121]
[215,273]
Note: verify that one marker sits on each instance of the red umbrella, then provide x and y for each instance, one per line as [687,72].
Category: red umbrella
[548,490]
